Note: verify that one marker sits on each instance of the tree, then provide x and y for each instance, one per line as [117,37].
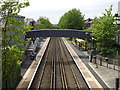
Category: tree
[12,30]
[72,19]
[104,30]
[43,23]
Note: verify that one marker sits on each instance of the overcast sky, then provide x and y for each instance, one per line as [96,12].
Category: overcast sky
[54,9]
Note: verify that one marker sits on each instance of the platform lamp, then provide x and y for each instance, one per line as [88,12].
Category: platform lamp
[118,40]
[90,54]
[87,35]
[118,44]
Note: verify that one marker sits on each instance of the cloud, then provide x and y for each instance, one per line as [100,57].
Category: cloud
[54,9]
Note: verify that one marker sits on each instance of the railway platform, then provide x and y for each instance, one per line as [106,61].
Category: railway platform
[89,78]
[30,67]
[92,80]
[27,62]
[105,76]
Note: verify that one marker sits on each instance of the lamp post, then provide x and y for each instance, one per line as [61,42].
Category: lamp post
[90,53]
[118,44]
[87,34]
[118,37]
[94,51]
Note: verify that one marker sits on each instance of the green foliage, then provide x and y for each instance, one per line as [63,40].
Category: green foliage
[72,19]
[43,23]
[118,57]
[104,33]
[13,33]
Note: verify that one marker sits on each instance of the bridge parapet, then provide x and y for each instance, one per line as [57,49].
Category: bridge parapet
[58,33]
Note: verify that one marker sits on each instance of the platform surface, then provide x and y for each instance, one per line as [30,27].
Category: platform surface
[89,78]
[105,75]
[24,83]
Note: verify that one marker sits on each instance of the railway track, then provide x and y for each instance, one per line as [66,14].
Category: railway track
[57,70]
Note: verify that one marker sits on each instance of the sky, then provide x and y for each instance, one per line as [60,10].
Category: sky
[54,9]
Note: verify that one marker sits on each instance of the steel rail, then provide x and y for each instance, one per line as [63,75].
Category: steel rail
[53,85]
[54,69]
[41,76]
[56,46]
[51,81]
[31,81]
[58,66]
[75,77]
[62,69]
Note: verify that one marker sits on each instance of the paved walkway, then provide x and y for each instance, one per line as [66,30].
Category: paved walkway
[106,76]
